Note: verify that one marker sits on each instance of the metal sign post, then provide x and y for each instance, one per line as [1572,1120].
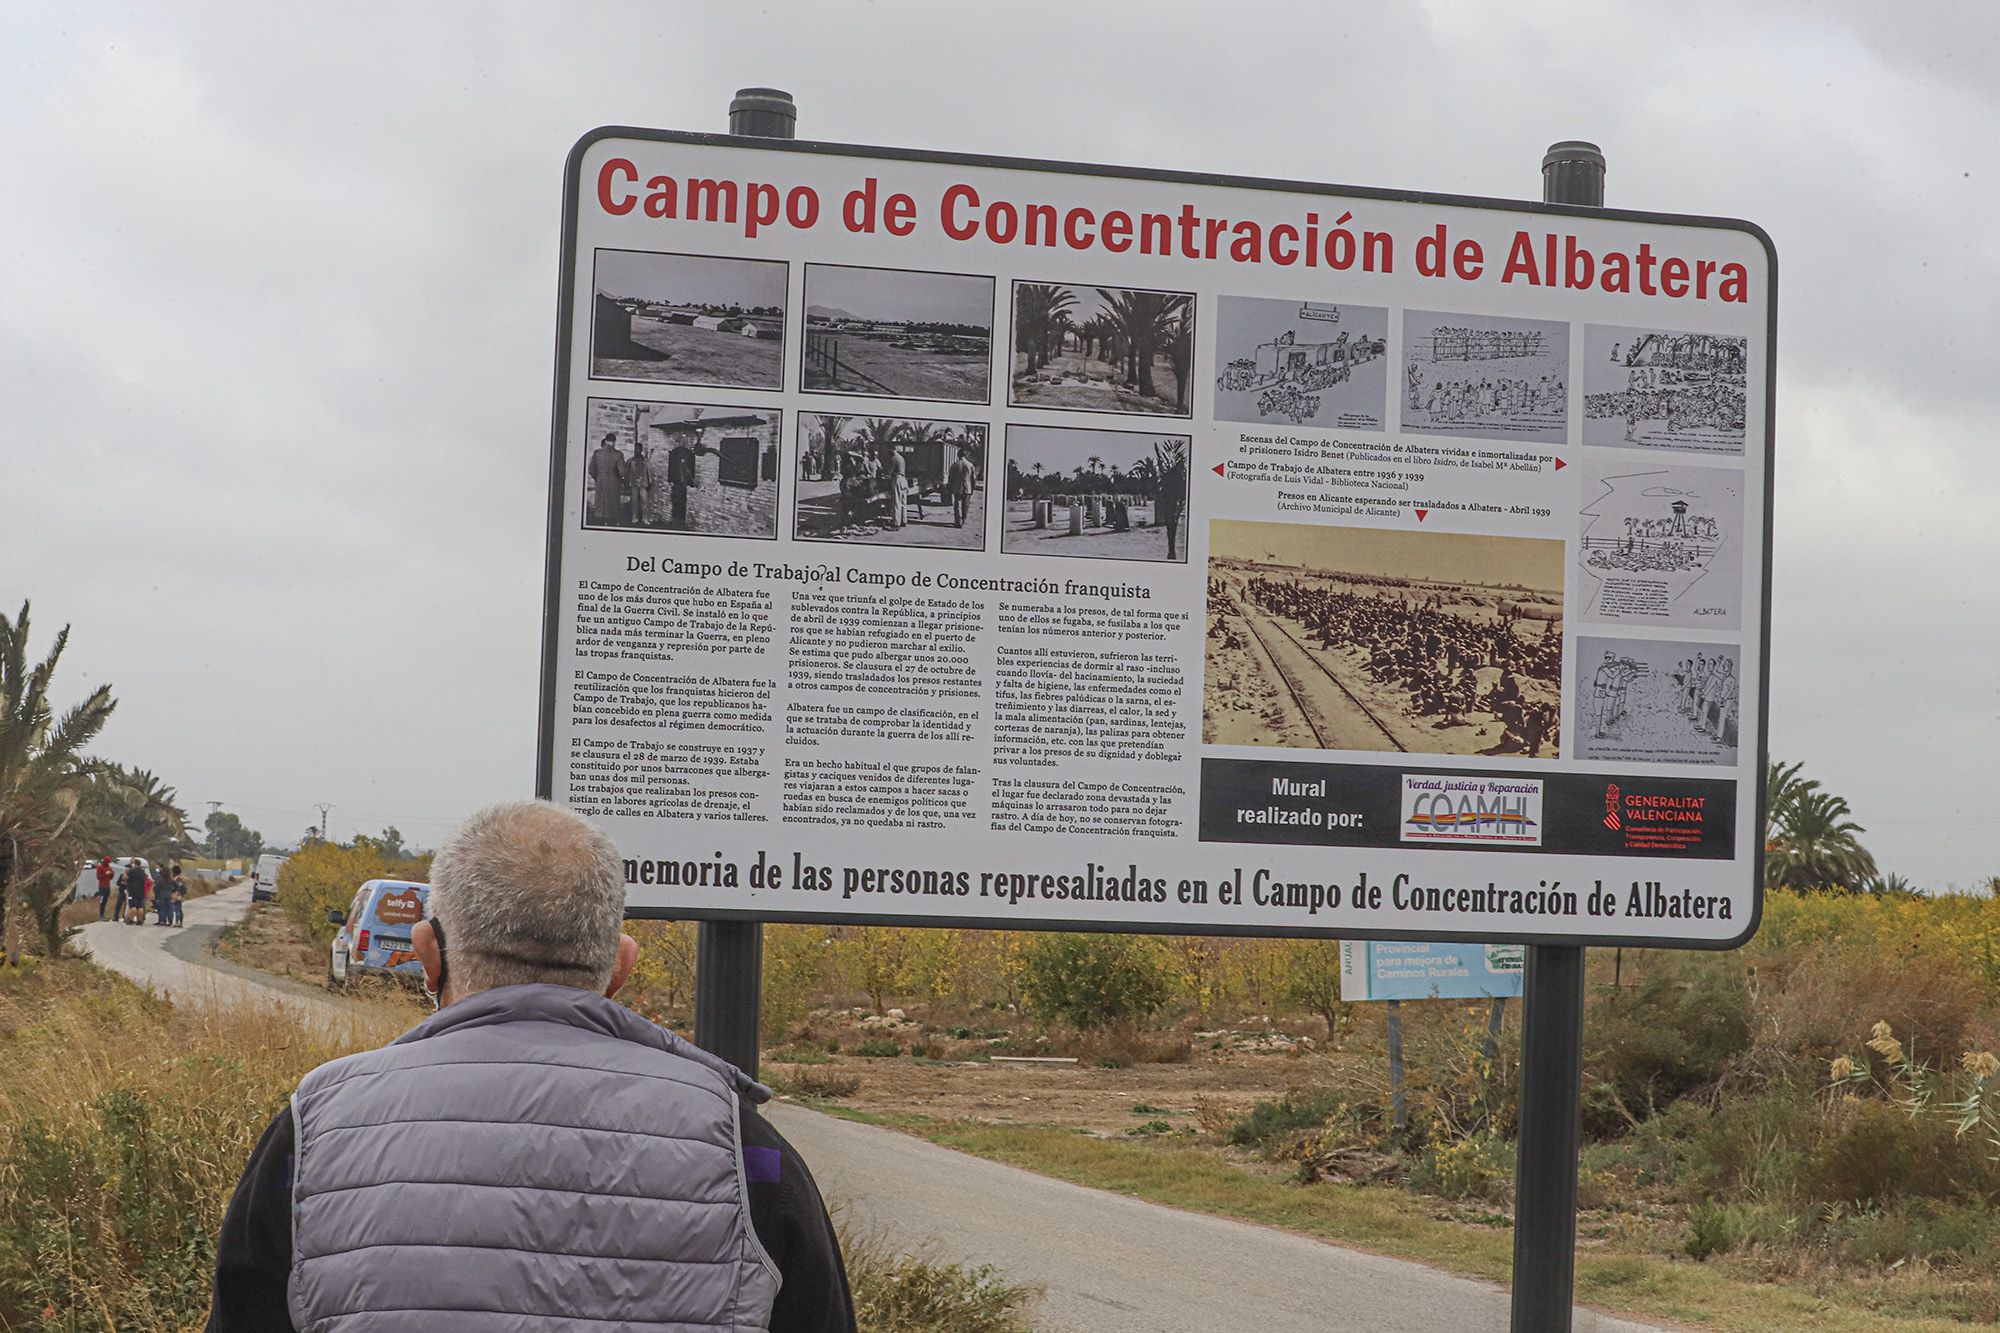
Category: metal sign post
[729,955]
[1551,1112]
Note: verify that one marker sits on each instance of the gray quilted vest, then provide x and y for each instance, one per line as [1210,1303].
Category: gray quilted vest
[531,1158]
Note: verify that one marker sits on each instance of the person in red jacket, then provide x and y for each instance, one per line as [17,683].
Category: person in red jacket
[105,874]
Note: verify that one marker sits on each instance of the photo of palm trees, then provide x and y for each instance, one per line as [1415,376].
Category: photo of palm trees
[1098,494]
[1102,349]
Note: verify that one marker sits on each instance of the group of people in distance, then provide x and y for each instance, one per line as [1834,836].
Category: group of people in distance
[1435,654]
[136,888]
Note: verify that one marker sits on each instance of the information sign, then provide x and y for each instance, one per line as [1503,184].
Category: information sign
[1434,970]
[938,539]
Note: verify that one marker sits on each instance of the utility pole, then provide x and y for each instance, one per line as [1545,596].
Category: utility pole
[1551,1111]
[214,844]
[729,955]
[323,807]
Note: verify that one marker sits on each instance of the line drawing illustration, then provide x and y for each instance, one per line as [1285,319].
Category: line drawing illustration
[1657,389]
[1309,363]
[1650,541]
[1485,377]
[1650,700]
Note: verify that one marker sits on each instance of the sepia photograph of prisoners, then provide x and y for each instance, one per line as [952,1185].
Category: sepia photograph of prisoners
[1098,494]
[688,319]
[891,481]
[1325,638]
[678,467]
[1309,363]
[1655,389]
[892,333]
[1102,349]
[1485,376]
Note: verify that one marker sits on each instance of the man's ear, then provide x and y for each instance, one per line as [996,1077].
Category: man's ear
[423,940]
[628,958]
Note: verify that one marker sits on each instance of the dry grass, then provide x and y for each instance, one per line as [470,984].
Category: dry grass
[124,1123]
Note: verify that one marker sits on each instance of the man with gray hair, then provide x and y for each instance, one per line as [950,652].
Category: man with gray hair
[534,1154]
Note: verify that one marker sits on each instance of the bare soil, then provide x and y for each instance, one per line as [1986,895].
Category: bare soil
[1142,542]
[876,367]
[1226,1073]
[268,939]
[1090,385]
[683,354]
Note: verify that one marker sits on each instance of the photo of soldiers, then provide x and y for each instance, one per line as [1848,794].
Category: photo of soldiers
[1645,699]
[681,467]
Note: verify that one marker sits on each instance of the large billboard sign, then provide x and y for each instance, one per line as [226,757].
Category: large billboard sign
[960,540]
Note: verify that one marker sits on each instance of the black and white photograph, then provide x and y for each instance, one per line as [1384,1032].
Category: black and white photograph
[1326,638]
[896,333]
[1657,389]
[1485,377]
[1099,494]
[680,467]
[1653,701]
[1661,544]
[893,481]
[688,319]
[1102,349]
[1306,363]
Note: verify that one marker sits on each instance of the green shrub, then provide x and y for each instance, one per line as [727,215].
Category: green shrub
[1094,981]
[879,1048]
[1479,1167]
[324,876]
[1878,1153]
[1713,1228]
[1270,1122]
[1670,1033]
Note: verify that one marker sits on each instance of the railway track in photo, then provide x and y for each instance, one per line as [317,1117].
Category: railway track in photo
[1337,718]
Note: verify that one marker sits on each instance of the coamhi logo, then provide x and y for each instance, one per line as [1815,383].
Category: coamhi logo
[1461,809]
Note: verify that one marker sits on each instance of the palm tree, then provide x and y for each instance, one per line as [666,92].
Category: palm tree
[1809,842]
[43,778]
[1143,317]
[1040,310]
[1096,462]
[829,430]
[1170,461]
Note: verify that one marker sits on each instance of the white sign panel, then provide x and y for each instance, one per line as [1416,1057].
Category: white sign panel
[1002,543]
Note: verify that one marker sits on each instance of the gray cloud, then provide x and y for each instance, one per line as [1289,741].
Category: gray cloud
[275,353]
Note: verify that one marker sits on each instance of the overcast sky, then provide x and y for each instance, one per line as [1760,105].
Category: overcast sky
[277,290]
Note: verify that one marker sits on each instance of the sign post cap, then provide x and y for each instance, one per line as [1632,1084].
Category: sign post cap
[1573,150]
[763,112]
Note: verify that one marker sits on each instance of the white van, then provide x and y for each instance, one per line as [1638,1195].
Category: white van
[264,884]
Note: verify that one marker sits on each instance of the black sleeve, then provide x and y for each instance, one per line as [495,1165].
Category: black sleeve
[253,1255]
[791,1221]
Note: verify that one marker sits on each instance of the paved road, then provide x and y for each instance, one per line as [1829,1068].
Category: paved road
[1112,1264]
[1108,1264]
[178,962]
